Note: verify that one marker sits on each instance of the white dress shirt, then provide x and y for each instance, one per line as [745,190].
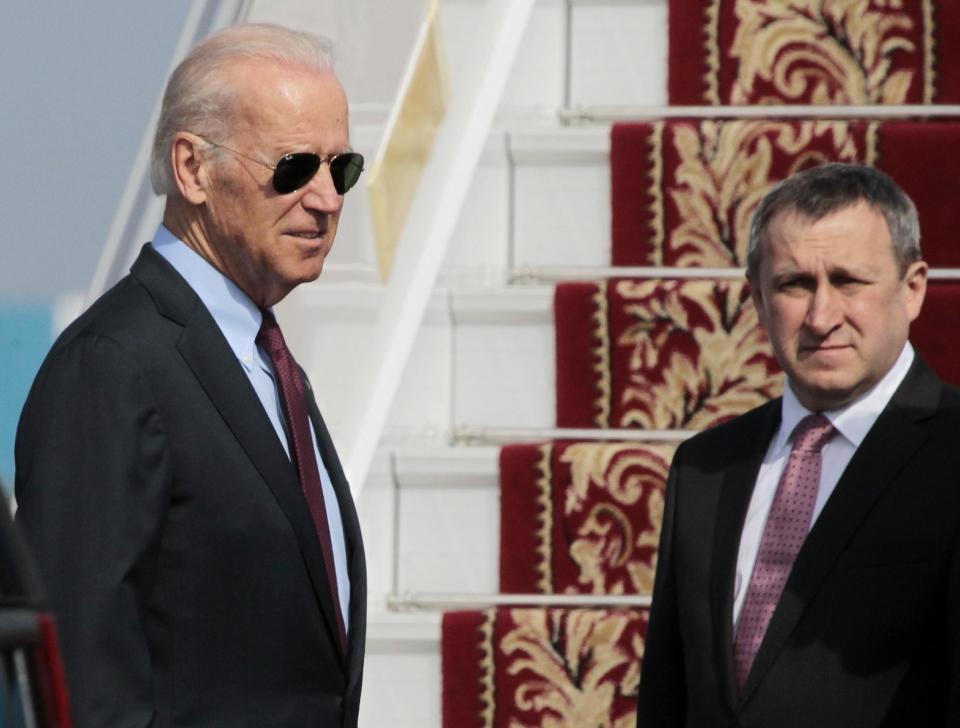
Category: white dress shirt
[239,319]
[852,423]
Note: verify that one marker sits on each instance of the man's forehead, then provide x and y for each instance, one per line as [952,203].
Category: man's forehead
[799,218]
[850,238]
[287,99]
[270,77]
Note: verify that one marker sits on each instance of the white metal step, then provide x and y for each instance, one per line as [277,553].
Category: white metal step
[402,671]
[448,519]
[483,357]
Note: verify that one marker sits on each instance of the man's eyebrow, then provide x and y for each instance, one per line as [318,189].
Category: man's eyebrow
[791,274]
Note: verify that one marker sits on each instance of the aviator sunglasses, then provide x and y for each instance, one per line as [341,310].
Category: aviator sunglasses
[294,170]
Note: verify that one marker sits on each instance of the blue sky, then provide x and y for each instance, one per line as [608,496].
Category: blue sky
[79,81]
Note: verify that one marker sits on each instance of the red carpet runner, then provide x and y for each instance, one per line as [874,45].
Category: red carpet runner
[745,52]
[576,517]
[581,517]
[683,192]
[669,354]
[659,354]
[936,333]
[566,668]
[584,517]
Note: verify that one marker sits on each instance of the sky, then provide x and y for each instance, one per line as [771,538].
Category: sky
[79,82]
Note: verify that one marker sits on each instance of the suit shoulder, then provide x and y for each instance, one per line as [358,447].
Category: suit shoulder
[950,397]
[947,416]
[125,315]
[121,336]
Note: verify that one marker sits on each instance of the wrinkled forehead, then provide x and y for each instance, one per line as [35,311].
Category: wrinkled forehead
[852,235]
[853,216]
[270,94]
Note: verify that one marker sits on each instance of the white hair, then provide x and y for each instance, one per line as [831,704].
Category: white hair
[199,97]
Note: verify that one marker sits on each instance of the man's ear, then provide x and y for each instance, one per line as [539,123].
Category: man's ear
[189,167]
[916,283]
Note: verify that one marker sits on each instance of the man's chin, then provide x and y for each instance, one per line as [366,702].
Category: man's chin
[309,270]
[818,396]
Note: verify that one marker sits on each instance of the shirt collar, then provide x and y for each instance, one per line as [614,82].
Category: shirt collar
[236,315]
[854,420]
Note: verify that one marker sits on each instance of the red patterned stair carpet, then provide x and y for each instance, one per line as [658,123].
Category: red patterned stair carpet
[687,354]
[659,354]
[581,517]
[683,192]
[576,517]
[584,517]
[558,668]
[746,52]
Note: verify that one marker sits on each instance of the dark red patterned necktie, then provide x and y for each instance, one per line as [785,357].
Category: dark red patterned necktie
[783,535]
[295,408]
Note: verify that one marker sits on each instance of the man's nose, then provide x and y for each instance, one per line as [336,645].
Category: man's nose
[823,312]
[320,193]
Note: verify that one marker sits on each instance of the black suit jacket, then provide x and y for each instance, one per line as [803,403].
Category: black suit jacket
[867,632]
[171,530]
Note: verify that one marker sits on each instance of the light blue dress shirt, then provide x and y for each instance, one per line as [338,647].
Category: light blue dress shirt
[239,320]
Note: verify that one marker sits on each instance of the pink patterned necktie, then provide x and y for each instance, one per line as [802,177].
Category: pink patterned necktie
[783,535]
[293,395]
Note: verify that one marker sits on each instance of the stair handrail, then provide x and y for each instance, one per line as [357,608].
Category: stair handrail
[422,246]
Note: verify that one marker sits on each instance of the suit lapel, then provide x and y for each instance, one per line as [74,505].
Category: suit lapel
[894,438]
[208,355]
[738,483]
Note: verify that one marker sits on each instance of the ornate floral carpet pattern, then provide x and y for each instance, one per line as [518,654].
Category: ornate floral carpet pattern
[542,668]
[744,52]
[683,192]
[581,517]
[576,518]
[584,517]
[659,354]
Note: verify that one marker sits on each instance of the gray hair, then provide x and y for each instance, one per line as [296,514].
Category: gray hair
[820,191]
[199,97]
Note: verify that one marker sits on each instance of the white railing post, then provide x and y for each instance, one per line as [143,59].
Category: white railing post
[423,243]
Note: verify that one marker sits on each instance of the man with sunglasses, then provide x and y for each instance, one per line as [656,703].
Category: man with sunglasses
[190,516]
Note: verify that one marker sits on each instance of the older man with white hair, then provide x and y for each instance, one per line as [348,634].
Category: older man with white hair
[190,516]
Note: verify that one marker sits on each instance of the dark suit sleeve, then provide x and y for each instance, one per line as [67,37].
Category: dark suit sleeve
[953,639]
[92,488]
[662,698]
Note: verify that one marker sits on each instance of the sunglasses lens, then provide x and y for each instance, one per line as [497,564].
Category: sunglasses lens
[294,171]
[345,170]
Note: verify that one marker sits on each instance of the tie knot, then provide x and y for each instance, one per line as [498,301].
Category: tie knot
[269,336]
[812,433]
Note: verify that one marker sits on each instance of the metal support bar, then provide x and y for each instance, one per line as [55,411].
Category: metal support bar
[610,114]
[555,274]
[568,53]
[422,245]
[506,435]
[413,601]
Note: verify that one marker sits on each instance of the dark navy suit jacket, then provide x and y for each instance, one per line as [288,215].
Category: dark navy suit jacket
[171,530]
[867,632]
